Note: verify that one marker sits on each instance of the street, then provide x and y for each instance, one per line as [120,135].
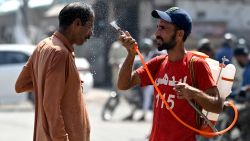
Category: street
[16,121]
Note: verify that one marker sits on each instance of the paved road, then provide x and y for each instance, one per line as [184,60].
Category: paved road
[16,121]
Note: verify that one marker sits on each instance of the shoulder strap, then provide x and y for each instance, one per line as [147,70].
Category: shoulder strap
[194,84]
[162,58]
[191,70]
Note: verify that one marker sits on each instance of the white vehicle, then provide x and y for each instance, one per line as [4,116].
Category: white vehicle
[12,59]
[86,76]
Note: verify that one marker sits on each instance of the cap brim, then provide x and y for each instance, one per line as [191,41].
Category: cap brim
[161,15]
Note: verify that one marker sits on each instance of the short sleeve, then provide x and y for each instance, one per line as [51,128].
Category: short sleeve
[153,66]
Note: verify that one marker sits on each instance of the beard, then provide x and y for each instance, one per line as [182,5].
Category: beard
[167,45]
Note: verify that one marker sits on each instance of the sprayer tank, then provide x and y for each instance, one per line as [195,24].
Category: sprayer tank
[223,76]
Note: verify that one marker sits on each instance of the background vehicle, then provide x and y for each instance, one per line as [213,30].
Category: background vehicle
[12,59]
[241,130]
[133,97]
[83,67]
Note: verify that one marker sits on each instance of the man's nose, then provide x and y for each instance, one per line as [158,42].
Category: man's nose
[91,33]
[157,33]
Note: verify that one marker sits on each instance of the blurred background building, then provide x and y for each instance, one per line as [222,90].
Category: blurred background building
[28,21]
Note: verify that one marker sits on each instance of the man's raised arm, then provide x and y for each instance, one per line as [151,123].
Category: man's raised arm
[127,78]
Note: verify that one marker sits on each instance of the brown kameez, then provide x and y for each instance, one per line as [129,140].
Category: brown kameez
[60,110]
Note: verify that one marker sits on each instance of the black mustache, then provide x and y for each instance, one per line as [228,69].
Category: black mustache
[160,38]
[87,37]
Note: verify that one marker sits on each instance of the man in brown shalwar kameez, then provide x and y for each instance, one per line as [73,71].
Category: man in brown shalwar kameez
[60,111]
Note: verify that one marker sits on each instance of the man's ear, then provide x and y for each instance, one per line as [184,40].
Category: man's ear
[180,34]
[77,22]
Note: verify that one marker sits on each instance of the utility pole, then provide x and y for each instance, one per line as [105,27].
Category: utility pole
[24,9]
[21,28]
[174,2]
[153,4]
[25,20]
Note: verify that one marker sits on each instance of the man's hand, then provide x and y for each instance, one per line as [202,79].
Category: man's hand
[184,90]
[209,100]
[128,42]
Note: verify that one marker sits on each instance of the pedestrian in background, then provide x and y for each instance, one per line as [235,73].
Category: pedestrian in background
[117,54]
[60,111]
[204,45]
[240,60]
[227,49]
[246,80]
[148,91]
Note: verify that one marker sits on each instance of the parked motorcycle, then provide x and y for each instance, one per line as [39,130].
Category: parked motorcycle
[133,97]
[241,130]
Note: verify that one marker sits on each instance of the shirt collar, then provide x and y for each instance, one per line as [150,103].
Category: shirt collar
[64,40]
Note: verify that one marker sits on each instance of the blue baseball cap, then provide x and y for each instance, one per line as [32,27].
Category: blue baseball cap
[176,16]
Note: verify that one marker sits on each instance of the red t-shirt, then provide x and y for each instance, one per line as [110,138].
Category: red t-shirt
[165,73]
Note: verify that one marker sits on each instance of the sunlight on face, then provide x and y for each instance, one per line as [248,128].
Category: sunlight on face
[85,31]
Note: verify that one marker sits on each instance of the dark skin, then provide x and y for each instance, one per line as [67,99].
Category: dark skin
[77,32]
[209,100]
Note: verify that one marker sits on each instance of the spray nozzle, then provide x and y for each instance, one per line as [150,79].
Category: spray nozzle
[224,59]
[114,24]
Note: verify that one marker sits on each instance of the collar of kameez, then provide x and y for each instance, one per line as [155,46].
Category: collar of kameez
[64,40]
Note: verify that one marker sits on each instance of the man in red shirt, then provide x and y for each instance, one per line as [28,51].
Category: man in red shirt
[171,74]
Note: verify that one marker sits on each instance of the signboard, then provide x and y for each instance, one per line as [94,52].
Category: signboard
[208,29]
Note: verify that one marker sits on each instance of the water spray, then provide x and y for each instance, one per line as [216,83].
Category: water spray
[204,133]
[114,24]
